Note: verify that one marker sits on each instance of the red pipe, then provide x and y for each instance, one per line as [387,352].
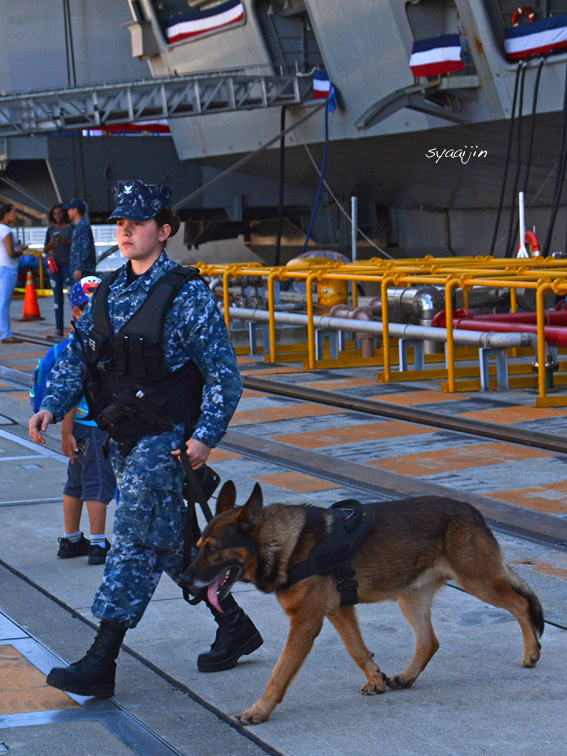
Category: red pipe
[552,317]
[555,336]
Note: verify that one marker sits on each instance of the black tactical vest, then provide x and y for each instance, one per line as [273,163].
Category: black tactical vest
[130,391]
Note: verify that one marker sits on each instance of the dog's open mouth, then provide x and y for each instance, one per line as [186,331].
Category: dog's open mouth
[221,586]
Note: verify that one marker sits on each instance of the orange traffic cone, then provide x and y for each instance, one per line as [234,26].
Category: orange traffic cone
[31,306]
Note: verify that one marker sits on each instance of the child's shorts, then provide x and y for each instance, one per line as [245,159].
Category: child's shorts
[90,476]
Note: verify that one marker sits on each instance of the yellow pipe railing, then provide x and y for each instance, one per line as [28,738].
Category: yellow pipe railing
[450,285]
[386,281]
[539,274]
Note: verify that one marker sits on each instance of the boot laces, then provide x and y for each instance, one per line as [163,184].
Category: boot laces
[103,643]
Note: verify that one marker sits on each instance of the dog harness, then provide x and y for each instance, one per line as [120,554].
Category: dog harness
[333,554]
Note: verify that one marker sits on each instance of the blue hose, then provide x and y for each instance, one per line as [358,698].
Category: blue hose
[321,179]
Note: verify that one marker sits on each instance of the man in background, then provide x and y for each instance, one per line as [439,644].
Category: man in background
[83,253]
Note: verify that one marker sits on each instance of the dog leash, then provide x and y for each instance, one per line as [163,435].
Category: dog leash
[194,494]
[198,494]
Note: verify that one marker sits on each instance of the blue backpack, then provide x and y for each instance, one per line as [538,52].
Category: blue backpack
[44,367]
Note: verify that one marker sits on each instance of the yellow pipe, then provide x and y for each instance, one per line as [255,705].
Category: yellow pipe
[386,281]
[543,288]
[226,298]
[514,308]
[310,324]
[451,284]
[272,314]
[513,299]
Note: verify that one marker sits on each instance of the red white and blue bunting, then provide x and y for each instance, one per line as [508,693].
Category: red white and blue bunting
[323,89]
[189,26]
[540,38]
[436,56]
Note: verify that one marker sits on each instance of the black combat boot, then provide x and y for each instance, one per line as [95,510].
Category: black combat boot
[94,674]
[236,636]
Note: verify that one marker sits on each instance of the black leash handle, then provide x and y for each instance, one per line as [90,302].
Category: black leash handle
[191,526]
[194,484]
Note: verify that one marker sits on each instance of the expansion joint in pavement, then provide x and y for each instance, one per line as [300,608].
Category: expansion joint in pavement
[266,747]
[517,521]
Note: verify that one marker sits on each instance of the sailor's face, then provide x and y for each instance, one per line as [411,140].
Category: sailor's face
[141,240]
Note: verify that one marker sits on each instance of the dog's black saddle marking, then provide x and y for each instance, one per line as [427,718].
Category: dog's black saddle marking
[333,554]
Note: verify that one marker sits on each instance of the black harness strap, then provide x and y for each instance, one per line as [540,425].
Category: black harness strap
[333,554]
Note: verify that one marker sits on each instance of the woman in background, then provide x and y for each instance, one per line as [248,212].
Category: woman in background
[58,245]
[9,254]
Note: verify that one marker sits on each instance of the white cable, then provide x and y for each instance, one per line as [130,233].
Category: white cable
[544,183]
[341,208]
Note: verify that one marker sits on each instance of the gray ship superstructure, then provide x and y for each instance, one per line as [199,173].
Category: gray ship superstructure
[394,139]
[425,156]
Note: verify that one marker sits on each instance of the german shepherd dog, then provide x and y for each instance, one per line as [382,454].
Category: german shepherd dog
[414,547]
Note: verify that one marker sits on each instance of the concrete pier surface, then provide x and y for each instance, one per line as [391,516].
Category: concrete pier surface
[473,698]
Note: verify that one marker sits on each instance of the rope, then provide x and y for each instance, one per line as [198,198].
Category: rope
[507,163]
[530,148]
[560,174]
[281,188]
[512,224]
[338,204]
[321,179]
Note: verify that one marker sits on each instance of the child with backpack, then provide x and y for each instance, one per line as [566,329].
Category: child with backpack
[90,477]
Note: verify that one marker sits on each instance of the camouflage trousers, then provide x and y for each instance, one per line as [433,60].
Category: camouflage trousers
[149,524]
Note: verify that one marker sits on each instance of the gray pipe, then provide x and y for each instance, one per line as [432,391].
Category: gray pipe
[397,330]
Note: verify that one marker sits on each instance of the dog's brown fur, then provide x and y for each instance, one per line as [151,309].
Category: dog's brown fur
[415,546]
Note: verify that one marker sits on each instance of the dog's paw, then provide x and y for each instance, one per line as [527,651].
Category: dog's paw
[398,683]
[250,717]
[375,686]
[531,659]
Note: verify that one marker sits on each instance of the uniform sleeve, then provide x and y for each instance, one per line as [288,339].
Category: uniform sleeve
[206,341]
[74,254]
[82,248]
[64,386]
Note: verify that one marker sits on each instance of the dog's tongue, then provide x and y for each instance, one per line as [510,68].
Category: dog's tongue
[212,593]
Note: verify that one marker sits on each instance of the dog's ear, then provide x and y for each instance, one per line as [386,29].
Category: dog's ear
[226,498]
[251,511]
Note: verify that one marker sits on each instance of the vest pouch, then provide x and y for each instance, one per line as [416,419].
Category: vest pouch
[145,395]
[133,415]
[95,344]
[91,391]
[116,412]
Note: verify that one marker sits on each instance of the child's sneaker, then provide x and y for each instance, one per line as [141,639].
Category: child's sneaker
[97,554]
[69,549]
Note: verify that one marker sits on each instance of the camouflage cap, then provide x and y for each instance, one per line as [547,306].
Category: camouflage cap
[138,201]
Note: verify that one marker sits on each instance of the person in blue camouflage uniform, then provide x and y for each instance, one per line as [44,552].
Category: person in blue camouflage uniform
[148,534]
[82,257]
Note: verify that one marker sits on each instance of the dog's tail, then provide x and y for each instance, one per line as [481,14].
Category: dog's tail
[523,589]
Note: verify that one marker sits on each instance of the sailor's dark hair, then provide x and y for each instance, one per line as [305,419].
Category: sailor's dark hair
[167,216]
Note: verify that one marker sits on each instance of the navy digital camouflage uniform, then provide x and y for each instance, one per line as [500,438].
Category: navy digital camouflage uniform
[83,251]
[149,520]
